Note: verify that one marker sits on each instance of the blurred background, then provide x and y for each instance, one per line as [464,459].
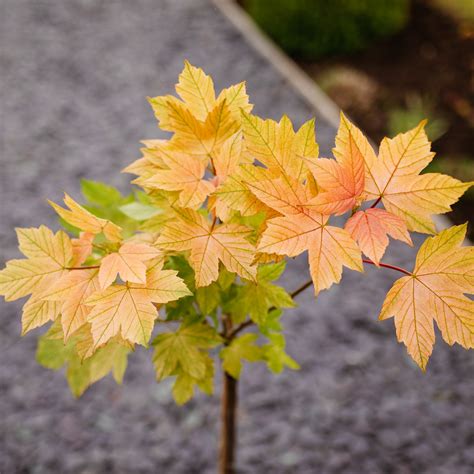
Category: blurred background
[74,79]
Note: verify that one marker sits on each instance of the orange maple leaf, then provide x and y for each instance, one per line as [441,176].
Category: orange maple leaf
[371,228]
[341,181]
[330,248]
[81,248]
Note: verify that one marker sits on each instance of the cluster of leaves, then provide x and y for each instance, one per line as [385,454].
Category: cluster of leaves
[195,252]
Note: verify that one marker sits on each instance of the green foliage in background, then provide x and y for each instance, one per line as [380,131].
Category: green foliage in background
[310,29]
[417,108]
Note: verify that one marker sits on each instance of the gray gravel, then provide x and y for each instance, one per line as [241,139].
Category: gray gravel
[74,79]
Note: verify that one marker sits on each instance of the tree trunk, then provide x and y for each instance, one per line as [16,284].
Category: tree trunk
[229,427]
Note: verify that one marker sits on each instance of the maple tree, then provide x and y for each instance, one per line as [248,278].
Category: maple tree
[194,253]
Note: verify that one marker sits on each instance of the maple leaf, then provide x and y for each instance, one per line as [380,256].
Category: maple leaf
[276,145]
[228,157]
[186,177]
[54,353]
[197,137]
[329,248]
[443,273]
[236,193]
[71,291]
[183,349]
[128,310]
[186,173]
[48,255]
[150,162]
[81,248]
[342,180]
[128,262]
[236,99]
[241,348]
[209,245]
[394,178]
[280,149]
[183,388]
[81,218]
[275,355]
[371,228]
[197,91]
[37,312]
[256,299]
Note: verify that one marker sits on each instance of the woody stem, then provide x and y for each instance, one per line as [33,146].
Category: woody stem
[376,202]
[228,441]
[386,265]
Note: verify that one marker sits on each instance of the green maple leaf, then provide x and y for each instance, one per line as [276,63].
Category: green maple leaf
[256,299]
[275,356]
[81,372]
[241,348]
[184,385]
[184,349]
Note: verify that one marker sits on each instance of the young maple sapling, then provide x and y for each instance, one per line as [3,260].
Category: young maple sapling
[197,250]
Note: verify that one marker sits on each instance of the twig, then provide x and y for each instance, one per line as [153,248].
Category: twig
[386,265]
[376,202]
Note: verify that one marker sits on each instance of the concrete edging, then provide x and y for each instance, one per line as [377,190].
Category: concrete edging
[296,77]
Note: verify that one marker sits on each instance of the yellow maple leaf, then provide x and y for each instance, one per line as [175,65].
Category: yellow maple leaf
[150,161]
[48,255]
[37,312]
[128,310]
[184,173]
[282,193]
[277,146]
[236,99]
[435,291]
[71,291]
[236,194]
[81,218]
[371,228]
[41,242]
[128,262]
[201,137]
[197,91]
[395,179]
[226,163]
[208,245]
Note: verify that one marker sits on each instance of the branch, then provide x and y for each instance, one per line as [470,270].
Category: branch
[386,265]
[303,287]
[376,202]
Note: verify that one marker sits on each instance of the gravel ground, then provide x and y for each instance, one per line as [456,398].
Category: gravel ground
[74,79]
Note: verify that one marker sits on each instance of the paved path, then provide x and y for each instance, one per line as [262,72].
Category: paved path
[74,79]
